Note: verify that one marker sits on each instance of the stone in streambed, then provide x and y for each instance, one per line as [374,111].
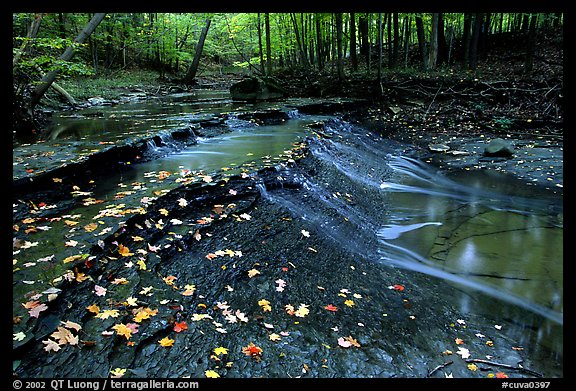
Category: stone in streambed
[499,148]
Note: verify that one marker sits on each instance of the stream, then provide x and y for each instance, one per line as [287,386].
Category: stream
[498,244]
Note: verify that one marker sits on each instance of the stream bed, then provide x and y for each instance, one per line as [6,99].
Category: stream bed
[334,250]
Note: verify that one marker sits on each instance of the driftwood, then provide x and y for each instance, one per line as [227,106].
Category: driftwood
[518,368]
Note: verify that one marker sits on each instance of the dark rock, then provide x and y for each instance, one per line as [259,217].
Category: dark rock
[252,89]
[499,148]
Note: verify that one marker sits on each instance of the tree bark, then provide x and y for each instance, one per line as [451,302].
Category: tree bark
[531,43]
[339,64]
[191,74]
[473,57]
[421,41]
[268,45]
[353,55]
[260,48]
[319,49]
[49,78]
[32,32]
[433,53]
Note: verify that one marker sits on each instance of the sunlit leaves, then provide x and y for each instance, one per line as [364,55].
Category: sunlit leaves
[265,305]
[108,314]
[253,273]
[166,342]
[143,313]
[123,330]
[348,341]
[124,251]
[210,373]
[220,351]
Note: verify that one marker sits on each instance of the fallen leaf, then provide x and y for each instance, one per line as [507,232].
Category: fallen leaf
[305,233]
[349,303]
[72,325]
[465,353]
[274,337]
[343,343]
[124,251]
[252,350]
[166,342]
[211,374]
[35,312]
[473,367]
[51,345]
[331,307]
[302,311]
[220,351]
[19,336]
[501,375]
[100,291]
[253,272]
[180,326]
[108,314]
[123,330]
[459,341]
[118,372]
[93,308]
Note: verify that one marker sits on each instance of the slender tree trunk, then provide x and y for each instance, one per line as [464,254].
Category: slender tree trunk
[407,34]
[268,45]
[380,32]
[32,32]
[301,49]
[363,30]
[473,58]
[260,47]
[191,74]
[422,42]
[531,43]
[339,64]
[396,40]
[442,45]
[319,45]
[433,52]
[466,39]
[353,55]
[50,77]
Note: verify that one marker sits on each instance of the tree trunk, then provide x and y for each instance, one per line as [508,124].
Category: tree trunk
[380,50]
[466,37]
[474,41]
[301,49]
[422,42]
[363,30]
[32,32]
[339,64]
[191,74]
[319,49]
[268,46]
[353,56]
[396,40]
[260,48]
[49,78]
[433,52]
[531,43]
[442,45]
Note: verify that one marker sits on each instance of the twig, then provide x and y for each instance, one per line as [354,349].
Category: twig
[440,367]
[519,368]
[433,99]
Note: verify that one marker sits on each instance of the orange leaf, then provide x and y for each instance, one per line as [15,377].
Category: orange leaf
[124,251]
[180,326]
[252,350]
[501,375]
[331,307]
[398,287]
[459,341]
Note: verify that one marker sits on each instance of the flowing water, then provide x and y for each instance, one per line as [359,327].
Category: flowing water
[494,238]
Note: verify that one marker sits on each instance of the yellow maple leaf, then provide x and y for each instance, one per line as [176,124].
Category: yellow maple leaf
[90,227]
[108,314]
[220,350]
[137,238]
[349,303]
[131,301]
[141,264]
[302,311]
[124,251]
[93,308]
[189,290]
[141,314]
[253,272]
[211,374]
[163,212]
[274,337]
[166,342]
[123,330]
[118,372]
[472,367]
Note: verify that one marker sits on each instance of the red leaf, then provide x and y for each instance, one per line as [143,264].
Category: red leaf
[180,326]
[331,307]
[398,287]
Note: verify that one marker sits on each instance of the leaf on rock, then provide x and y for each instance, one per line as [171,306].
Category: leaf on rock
[166,342]
[123,330]
[35,312]
[51,345]
[100,291]
[459,341]
[274,337]
[465,353]
[349,303]
[124,251]
[252,350]
[93,308]
[302,311]
[108,314]
[211,374]
[220,351]
[253,273]
[331,307]
[180,326]
[19,336]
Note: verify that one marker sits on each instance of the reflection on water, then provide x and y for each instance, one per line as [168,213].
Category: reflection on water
[507,245]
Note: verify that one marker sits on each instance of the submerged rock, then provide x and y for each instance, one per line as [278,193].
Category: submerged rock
[499,148]
[253,88]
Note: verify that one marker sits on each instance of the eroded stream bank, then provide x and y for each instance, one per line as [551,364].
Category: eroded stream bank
[292,258]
